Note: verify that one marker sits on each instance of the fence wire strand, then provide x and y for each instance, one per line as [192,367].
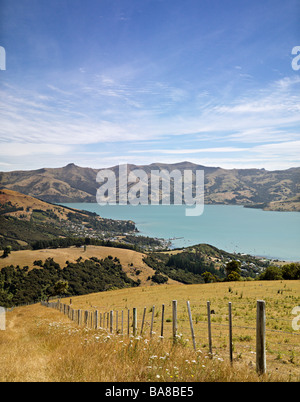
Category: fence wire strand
[243,342]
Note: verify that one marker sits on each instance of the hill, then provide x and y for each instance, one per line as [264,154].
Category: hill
[25,219]
[28,276]
[274,190]
[23,206]
[67,184]
[132,261]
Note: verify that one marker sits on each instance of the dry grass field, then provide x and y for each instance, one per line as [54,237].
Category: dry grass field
[29,203]
[42,344]
[131,260]
[283,343]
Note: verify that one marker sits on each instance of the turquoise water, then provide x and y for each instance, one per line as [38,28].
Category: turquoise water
[231,228]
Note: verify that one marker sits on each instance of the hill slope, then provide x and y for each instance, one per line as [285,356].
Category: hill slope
[25,219]
[254,187]
[42,344]
[132,261]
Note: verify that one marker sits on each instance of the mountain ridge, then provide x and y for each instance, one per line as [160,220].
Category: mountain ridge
[275,190]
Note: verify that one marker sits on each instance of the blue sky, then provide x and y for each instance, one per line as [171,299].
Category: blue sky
[103,82]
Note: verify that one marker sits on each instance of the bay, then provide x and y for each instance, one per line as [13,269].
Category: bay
[237,229]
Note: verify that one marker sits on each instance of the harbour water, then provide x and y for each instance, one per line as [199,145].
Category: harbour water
[232,228]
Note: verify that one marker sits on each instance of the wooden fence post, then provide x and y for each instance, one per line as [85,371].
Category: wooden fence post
[162,321]
[96,319]
[143,320]
[134,321]
[122,320]
[191,324]
[230,333]
[261,337]
[174,319]
[86,315]
[152,320]
[111,321]
[209,329]
[128,323]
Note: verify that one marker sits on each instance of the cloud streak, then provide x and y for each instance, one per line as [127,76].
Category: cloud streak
[57,120]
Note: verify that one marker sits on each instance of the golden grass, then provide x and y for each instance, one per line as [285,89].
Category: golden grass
[42,344]
[29,204]
[283,343]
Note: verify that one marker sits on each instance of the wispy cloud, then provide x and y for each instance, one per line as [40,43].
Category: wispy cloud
[20,149]
[262,135]
[183,151]
[290,149]
[260,125]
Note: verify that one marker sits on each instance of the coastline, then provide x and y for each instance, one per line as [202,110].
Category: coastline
[228,227]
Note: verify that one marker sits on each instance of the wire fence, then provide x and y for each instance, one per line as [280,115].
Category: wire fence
[230,330]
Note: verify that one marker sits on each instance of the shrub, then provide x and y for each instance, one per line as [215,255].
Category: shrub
[158,278]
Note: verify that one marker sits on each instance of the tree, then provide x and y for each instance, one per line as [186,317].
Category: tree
[158,278]
[233,276]
[291,271]
[6,251]
[271,273]
[233,270]
[60,287]
[208,277]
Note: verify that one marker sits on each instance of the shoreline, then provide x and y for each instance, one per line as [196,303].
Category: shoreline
[183,241]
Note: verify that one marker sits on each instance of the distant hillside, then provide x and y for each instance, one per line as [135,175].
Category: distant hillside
[201,262]
[96,269]
[68,184]
[21,286]
[290,204]
[23,207]
[25,219]
[131,260]
[273,190]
